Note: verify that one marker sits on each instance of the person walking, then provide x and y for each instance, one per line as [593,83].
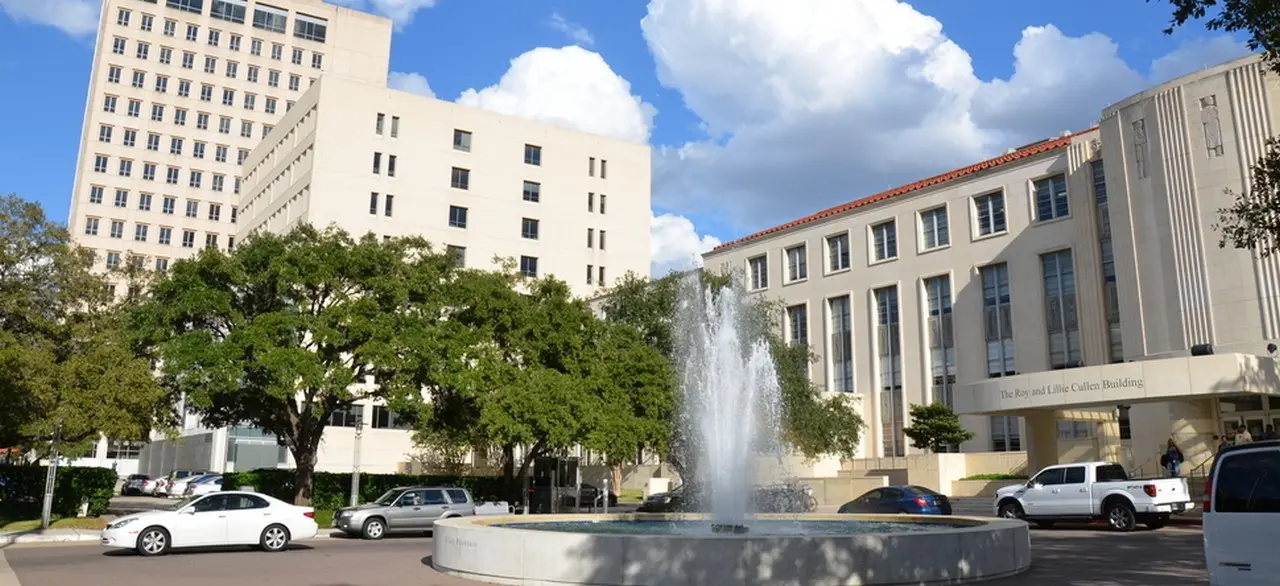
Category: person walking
[1241,435]
[1172,459]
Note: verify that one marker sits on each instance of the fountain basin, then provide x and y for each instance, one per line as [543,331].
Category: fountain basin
[869,549]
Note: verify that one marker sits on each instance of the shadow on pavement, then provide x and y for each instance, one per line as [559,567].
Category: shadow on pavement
[129,553]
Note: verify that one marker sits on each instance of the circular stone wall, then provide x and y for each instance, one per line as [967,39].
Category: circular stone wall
[982,549]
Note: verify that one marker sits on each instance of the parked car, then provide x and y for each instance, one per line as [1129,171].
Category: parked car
[219,519]
[588,496]
[899,499]
[203,485]
[407,509]
[178,487]
[1242,515]
[138,484]
[164,484]
[1094,490]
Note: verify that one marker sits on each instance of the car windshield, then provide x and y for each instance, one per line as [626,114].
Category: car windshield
[389,497]
[178,505]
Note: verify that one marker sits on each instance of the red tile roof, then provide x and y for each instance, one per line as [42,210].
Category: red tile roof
[1030,151]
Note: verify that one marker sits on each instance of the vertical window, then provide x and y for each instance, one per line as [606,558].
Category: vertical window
[603,200]
[837,252]
[591,274]
[1060,310]
[1110,294]
[1005,436]
[169,204]
[532,191]
[91,228]
[388,204]
[1140,148]
[934,229]
[529,228]
[889,346]
[997,317]
[591,237]
[942,347]
[95,194]
[600,275]
[117,229]
[602,243]
[989,209]
[797,262]
[1051,198]
[529,266]
[798,325]
[395,127]
[885,240]
[391,165]
[460,178]
[378,123]
[758,268]
[457,217]
[461,140]
[591,167]
[840,352]
[604,169]
[118,46]
[459,254]
[166,236]
[532,155]
[122,198]
[373,204]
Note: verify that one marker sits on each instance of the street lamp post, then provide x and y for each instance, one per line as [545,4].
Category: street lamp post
[355,464]
[51,472]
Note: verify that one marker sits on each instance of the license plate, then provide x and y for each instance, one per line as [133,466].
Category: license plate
[1180,507]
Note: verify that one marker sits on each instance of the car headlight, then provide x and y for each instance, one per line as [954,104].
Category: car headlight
[121,523]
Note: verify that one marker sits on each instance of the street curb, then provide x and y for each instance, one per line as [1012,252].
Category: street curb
[64,536]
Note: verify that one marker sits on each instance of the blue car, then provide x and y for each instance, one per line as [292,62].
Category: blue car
[901,499]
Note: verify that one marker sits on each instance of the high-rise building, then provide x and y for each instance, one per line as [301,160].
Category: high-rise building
[482,185]
[181,91]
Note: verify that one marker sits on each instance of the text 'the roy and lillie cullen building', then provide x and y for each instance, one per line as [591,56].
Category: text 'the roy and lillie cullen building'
[210,119]
[1069,297]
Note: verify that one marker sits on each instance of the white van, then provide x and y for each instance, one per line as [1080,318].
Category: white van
[1242,516]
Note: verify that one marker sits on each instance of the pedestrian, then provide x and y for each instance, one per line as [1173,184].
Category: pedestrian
[1172,459]
[1242,435]
[1270,433]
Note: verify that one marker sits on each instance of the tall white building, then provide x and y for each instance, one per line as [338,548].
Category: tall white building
[180,92]
[483,185]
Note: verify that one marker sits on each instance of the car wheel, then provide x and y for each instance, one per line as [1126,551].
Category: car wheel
[274,538]
[153,541]
[1010,510]
[373,529]
[1120,516]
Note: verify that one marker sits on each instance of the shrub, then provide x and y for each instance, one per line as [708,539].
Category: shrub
[332,490]
[22,491]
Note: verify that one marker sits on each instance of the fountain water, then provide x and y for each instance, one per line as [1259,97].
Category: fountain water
[730,396]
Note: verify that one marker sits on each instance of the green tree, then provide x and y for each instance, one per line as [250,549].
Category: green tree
[934,427]
[1252,221]
[289,329]
[814,424]
[65,363]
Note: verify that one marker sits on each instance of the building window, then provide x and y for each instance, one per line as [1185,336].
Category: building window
[837,252]
[1110,294]
[529,228]
[529,266]
[1140,147]
[373,204]
[140,232]
[841,350]
[942,347]
[758,268]
[395,127]
[933,228]
[211,241]
[122,198]
[391,165]
[122,17]
[104,133]
[113,259]
[532,155]
[889,346]
[162,264]
[310,28]
[297,56]
[379,123]
[95,194]
[165,237]
[797,263]
[532,191]
[347,416]
[457,217]
[168,205]
[460,178]
[885,240]
[1051,198]
[91,226]
[1069,429]
[229,10]
[1005,436]
[798,325]
[117,450]
[604,169]
[604,199]
[602,238]
[997,318]
[113,74]
[989,209]
[148,22]
[591,274]
[384,418]
[1060,310]
[144,202]
[461,140]
[388,204]
[459,254]
[270,18]
[117,230]
[188,239]
[139,78]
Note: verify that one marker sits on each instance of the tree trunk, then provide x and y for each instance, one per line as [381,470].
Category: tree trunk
[304,476]
[509,475]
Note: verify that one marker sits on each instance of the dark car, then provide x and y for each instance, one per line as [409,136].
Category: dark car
[900,499]
[666,502]
[589,494]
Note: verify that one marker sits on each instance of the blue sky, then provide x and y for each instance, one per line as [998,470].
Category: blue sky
[759,111]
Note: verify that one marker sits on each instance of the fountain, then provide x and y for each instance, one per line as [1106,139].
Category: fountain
[731,417]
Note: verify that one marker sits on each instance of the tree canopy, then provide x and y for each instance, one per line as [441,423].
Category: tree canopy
[65,363]
[289,329]
[935,427]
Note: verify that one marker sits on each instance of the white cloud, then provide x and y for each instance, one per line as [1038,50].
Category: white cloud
[415,83]
[816,102]
[569,87]
[1195,55]
[78,18]
[676,244]
[576,32]
[400,11]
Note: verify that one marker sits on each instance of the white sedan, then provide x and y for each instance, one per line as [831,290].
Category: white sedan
[218,519]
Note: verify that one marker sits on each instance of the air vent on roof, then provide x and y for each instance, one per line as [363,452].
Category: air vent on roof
[1065,133]
[1010,151]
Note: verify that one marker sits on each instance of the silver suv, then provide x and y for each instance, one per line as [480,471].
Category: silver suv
[406,509]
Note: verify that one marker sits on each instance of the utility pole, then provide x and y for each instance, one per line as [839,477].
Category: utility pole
[51,472]
[355,462]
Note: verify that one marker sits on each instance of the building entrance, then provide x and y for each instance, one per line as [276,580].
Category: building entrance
[1254,412]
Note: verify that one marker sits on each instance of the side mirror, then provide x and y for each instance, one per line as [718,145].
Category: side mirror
[1033,484]
[188,511]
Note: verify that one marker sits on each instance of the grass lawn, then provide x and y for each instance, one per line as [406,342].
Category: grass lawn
[631,495]
[92,523]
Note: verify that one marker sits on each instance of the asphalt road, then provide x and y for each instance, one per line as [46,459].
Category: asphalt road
[1062,557]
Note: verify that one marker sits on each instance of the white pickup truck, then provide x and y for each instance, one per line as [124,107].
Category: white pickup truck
[1094,490]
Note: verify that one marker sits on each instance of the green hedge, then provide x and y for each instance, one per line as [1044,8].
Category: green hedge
[332,490]
[22,491]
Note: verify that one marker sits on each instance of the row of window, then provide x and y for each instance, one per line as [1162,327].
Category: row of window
[195,177]
[934,232]
[529,227]
[142,233]
[180,116]
[532,153]
[142,52]
[265,17]
[249,100]
[177,144]
[168,205]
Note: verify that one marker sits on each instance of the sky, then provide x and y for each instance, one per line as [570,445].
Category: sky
[757,111]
